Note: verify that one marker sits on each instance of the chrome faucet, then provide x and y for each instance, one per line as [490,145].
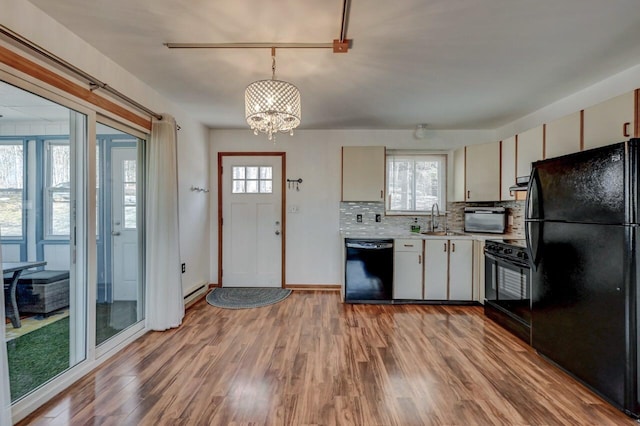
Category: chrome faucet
[435,221]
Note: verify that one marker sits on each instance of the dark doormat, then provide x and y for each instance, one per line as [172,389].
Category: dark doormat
[246,297]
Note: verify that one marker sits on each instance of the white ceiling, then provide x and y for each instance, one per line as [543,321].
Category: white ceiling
[19,105]
[454,64]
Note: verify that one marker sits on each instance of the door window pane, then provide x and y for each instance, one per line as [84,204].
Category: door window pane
[252,180]
[129,191]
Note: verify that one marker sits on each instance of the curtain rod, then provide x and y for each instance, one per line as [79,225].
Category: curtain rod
[94,83]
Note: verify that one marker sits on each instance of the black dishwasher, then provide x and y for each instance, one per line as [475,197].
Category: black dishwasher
[368,270]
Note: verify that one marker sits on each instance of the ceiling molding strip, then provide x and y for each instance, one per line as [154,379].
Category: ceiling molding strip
[249,45]
[340,45]
[94,83]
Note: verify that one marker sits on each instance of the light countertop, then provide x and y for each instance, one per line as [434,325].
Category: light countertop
[458,235]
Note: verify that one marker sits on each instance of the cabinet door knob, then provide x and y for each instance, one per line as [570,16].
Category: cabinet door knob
[625,130]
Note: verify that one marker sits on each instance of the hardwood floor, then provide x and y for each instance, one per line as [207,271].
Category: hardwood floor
[313,360]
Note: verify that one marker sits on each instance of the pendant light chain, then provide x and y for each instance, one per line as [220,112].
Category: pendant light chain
[273,63]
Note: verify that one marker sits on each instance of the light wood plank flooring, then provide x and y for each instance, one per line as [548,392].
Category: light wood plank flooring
[312,360]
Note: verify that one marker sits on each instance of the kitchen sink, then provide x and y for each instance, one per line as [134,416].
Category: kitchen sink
[443,233]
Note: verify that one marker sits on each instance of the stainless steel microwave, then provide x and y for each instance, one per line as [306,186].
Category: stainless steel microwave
[492,220]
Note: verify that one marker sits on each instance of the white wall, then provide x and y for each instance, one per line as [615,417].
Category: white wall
[30,22]
[193,170]
[313,240]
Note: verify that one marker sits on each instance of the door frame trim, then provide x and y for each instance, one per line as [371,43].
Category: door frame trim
[283,216]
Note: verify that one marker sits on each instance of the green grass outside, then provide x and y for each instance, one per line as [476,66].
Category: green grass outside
[37,357]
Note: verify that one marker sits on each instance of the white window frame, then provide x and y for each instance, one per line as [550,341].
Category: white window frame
[49,191]
[21,143]
[414,156]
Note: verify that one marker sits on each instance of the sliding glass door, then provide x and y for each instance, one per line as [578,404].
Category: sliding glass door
[119,299]
[43,151]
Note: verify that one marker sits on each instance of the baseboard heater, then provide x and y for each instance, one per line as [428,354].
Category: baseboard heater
[197,289]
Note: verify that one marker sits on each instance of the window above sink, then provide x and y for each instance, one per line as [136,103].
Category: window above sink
[415,181]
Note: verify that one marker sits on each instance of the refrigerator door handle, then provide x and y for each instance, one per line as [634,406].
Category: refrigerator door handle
[532,200]
[533,244]
[527,237]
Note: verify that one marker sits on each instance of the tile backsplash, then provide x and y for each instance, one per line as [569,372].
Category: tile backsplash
[349,212]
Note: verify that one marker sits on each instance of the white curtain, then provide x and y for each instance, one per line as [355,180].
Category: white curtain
[165,304]
[5,395]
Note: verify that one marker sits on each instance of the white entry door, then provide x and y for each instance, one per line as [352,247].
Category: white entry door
[124,234]
[252,221]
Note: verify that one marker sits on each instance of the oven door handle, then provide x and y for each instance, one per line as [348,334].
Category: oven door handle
[507,261]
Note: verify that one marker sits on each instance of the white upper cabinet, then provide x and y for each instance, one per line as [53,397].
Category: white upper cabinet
[610,121]
[363,169]
[458,175]
[483,172]
[563,136]
[528,149]
[507,168]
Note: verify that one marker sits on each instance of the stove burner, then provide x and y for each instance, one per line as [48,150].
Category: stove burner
[508,249]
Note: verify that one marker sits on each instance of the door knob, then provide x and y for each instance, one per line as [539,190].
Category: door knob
[277,232]
[115,233]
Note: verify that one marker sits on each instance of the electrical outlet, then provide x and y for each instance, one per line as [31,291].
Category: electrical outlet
[378,218]
[359,218]
[184,268]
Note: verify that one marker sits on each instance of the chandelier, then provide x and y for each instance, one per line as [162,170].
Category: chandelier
[272,106]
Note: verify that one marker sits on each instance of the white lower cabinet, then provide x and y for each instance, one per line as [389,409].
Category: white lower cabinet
[478,271]
[407,269]
[448,269]
[436,265]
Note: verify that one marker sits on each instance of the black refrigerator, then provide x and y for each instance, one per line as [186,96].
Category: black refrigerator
[581,226]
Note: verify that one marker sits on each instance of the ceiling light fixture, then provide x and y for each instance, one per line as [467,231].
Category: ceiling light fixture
[421,131]
[272,106]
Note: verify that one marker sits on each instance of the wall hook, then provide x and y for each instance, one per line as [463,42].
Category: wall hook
[198,189]
[294,182]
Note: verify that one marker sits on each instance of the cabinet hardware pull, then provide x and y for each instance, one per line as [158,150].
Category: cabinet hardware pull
[468,194]
[382,194]
[453,247]
[419,259]
[408,245]
[445,246]
[625,129]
